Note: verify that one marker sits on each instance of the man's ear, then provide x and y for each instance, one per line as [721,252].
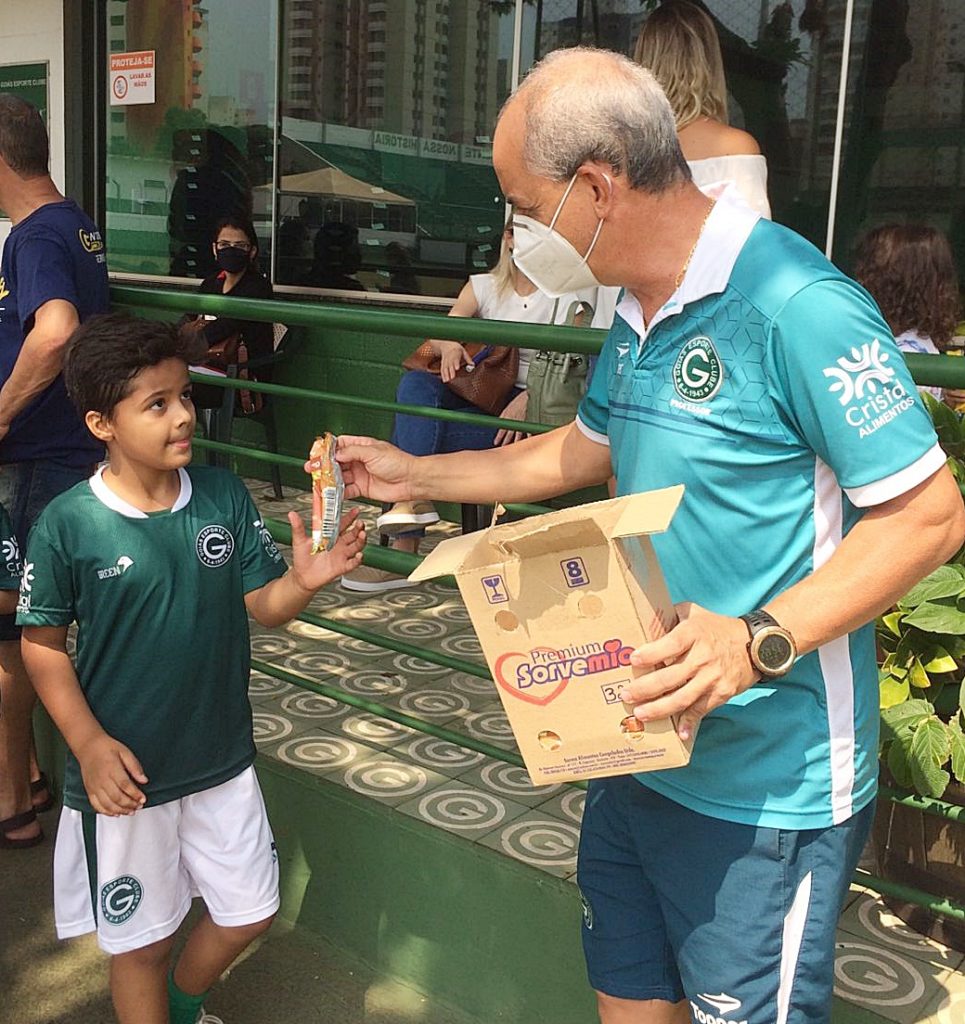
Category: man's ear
[600,178]
[99,425]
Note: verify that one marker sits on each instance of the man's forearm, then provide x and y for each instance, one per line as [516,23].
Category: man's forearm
[893,547]
[539,467]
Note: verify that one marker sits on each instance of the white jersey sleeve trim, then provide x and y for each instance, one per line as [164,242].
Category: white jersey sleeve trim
[898,483]
[593,435]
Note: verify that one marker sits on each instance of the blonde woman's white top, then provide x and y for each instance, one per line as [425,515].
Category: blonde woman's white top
[537,308]
[747,172]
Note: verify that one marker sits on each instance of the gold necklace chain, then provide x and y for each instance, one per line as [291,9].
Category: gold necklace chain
[683,270]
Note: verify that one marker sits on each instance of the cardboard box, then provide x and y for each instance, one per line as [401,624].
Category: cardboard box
[559,602]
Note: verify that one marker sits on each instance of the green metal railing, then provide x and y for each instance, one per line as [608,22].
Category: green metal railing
[939,371]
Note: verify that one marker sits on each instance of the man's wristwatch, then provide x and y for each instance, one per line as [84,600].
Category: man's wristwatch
[771,648]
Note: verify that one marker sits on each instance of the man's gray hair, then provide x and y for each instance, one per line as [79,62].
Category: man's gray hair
[587,104]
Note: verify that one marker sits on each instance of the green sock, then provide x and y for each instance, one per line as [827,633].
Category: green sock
[182,1008]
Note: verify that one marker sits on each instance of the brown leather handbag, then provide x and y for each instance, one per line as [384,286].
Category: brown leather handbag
[487,385]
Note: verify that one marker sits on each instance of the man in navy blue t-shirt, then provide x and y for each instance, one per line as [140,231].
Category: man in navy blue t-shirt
[53,276]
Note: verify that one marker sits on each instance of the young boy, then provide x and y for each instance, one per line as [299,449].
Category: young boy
[157,563]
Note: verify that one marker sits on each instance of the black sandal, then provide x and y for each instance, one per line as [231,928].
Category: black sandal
[12,824]
[38,786]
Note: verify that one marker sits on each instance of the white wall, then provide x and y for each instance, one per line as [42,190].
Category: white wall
[33,31]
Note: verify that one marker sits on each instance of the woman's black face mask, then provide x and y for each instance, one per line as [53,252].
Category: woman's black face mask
[232,260]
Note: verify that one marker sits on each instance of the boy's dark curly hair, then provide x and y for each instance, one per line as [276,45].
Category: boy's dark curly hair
[910,271]
[107,352]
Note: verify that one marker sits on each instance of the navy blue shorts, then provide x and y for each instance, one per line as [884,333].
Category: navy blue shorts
[26,488]
[738,920]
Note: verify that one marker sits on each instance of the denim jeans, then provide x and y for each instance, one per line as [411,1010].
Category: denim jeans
[419,435]
[26,488]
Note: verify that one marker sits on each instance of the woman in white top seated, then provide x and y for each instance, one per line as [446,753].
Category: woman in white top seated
[503,294]
[679,44]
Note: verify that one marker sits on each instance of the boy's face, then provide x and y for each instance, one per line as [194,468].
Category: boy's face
[152,427]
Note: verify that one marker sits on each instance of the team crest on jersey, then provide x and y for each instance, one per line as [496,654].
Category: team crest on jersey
[698,372]
[215,546]
[120,898]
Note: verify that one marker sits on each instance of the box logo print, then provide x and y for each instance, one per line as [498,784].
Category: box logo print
[539,676]
[495,589]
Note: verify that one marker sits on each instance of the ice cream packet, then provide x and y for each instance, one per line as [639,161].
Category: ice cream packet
[327,492]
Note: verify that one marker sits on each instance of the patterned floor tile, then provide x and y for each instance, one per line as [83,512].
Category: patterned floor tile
[509,781]
[439,755]
[262,688]
[320,752]
[388,779]
[270,727]
[540,840]
[271,645]
[464,810]
[437,704]
[313,708]
[377,732]
[491,725]
[870,920]
[896,986]
[568,805]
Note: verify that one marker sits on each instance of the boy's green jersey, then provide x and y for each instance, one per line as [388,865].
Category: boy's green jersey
[162,632]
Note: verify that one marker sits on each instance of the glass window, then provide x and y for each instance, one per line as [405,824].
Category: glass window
[385,173]
[904,143]
[782,61]
[204,147]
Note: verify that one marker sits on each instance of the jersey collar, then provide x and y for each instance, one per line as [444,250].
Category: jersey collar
[107,497]
[727,229]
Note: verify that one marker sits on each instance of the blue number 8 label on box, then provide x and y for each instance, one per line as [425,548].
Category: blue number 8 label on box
[495,589]
[574,572]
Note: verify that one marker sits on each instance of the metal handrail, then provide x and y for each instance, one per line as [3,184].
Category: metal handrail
[936,371]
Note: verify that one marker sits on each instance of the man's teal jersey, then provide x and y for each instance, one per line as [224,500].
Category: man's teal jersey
[10,565]
[162,632]
[771,387]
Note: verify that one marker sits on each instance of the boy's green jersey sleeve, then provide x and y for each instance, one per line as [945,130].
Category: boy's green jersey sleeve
[261,561]
[47,589]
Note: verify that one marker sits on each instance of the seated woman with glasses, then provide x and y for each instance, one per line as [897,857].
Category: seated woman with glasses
[235,247]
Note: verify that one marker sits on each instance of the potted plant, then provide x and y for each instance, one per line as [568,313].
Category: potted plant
[921,644]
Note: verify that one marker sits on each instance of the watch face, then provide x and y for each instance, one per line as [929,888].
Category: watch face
[774,651]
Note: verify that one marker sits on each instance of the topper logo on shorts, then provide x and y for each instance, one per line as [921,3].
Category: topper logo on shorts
[867,388]
[698,372]
[550,671]
[722,1003]
[215,546]
[120,898]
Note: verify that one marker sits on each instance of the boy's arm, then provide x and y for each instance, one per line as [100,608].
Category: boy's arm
[283,598]
[109,769]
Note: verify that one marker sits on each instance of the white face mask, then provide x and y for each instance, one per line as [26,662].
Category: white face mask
[547,258]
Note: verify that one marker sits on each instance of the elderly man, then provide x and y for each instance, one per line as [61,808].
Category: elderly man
[53,275]
[744,365]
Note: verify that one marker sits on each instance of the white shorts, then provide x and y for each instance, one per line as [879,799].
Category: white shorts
[131,879]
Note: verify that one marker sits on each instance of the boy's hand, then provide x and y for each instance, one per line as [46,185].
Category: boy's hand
[313,571]
[110,772]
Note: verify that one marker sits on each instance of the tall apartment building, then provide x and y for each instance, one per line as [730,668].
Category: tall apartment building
[426,68]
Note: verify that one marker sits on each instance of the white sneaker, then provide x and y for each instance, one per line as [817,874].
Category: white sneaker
[369,580]
[405,516]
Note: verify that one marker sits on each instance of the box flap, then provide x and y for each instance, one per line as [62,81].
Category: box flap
[649,512]
[470,550]
[556,536]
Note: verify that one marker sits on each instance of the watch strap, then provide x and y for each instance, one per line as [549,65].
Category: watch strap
[757,620]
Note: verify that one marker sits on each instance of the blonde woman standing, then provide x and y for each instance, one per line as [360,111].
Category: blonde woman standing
[679,44]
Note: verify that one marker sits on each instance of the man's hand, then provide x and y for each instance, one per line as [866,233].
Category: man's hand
[314,571]
[516,410]
[111,773]
[374,469]
[699,665]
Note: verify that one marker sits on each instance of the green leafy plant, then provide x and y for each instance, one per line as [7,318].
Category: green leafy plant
[921,643]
